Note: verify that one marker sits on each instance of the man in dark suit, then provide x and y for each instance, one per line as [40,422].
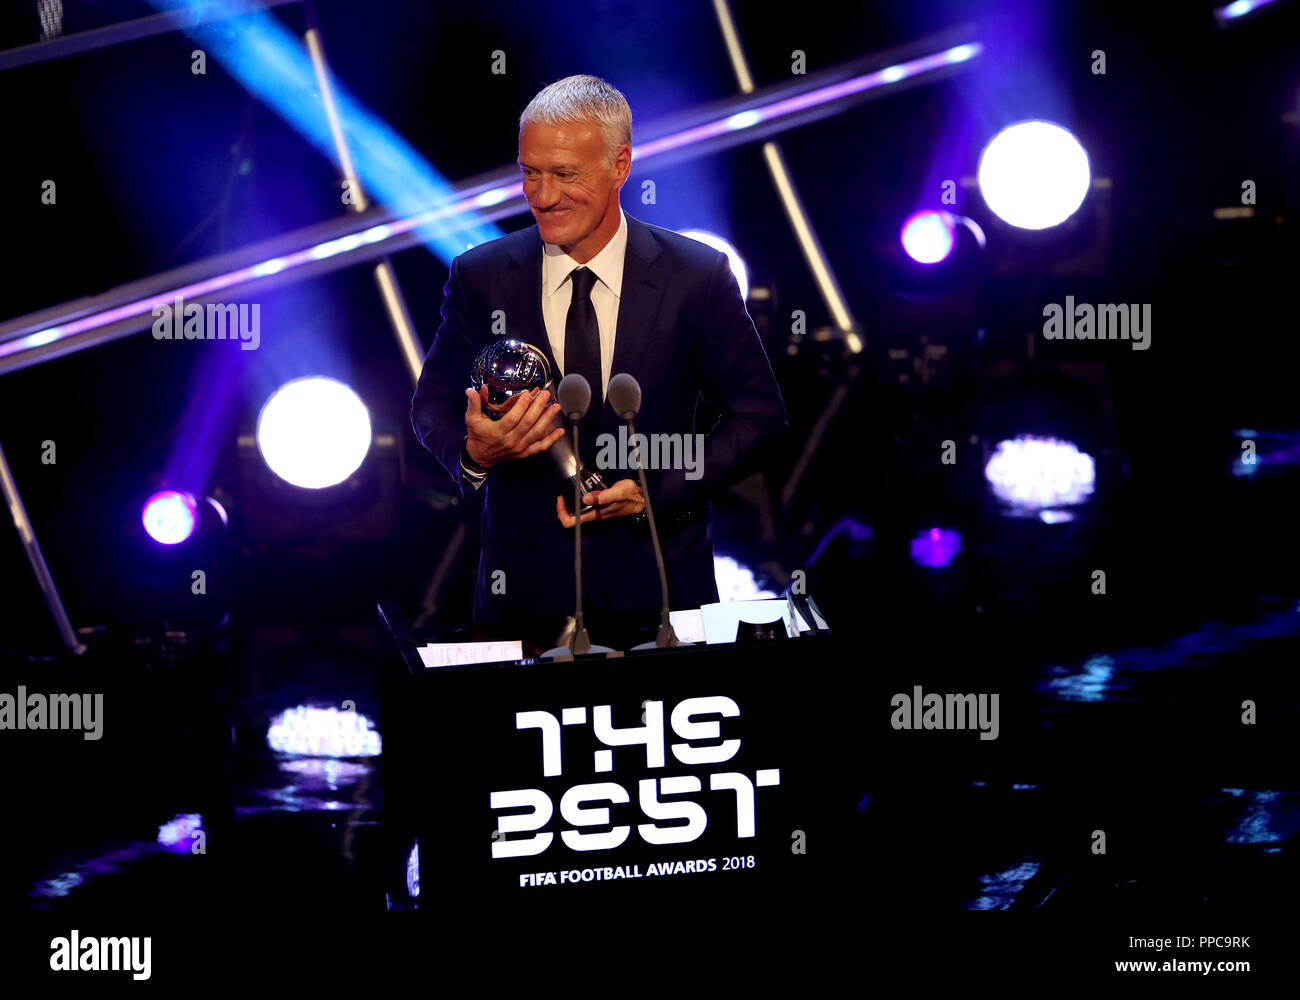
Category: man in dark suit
[604,293]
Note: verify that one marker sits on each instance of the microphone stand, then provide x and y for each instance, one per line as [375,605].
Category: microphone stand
[666,636]
[579,643]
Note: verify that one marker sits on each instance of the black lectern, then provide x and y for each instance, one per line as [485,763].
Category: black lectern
[638,782]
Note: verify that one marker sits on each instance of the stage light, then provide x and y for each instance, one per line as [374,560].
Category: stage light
[935,547]
[386,166]
[718,243]
[1034,175]
[1000,889]
[178,835]
[313,432]
[1031,475]
[323,732]
[928,236]
[736,582]
[169,517]
[1238,9]
[1093,680]
[1269,451]
[413,872]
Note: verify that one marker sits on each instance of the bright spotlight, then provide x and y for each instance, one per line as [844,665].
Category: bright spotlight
[1034,175]
[718,243]
[169,517]
[736,582]
[323,732]
[1032,474]
[1239,8]
[313,432]
[928,236]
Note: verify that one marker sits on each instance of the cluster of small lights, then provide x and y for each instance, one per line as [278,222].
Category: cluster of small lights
[1094,680]
[323,732]
[179,833]
[316,771]
[1001,888]
[1035,474]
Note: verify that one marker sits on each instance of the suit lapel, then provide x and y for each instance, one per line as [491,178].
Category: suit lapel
[643,289]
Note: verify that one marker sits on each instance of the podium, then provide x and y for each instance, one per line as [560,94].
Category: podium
[643,782]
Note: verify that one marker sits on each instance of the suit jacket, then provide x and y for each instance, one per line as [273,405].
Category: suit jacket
[684,334]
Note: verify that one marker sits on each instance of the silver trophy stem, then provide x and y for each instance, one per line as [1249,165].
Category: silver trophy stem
[566,460]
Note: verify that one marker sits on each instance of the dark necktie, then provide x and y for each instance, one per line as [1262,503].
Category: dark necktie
[582,349]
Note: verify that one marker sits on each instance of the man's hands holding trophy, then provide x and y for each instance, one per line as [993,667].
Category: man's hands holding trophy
[509,415]
[525,425]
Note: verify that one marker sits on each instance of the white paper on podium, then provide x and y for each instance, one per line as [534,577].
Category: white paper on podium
[687,625]
[722,621]
[448,654]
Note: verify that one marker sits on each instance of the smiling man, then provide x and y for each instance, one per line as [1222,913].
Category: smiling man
[599,293]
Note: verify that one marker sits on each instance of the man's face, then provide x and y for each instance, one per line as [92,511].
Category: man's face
[569,187]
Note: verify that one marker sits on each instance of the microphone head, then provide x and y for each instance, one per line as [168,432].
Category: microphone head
[625,395]
[574,396]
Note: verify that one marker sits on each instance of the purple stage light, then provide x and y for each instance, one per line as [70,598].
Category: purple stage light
[178,835]
[169,517]
[811,99]
[1239,8]
[928,236]
[464,203]
[935,547]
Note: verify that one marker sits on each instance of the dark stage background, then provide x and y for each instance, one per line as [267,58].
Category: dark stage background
[918,567]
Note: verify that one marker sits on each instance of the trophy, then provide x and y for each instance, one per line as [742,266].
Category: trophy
[509,367]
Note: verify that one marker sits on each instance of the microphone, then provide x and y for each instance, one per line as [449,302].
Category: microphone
[574,396]
[625,397]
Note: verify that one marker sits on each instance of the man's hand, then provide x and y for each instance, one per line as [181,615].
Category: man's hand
[527,427]
[623,499]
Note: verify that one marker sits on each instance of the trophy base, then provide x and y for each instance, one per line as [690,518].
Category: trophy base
[588,482]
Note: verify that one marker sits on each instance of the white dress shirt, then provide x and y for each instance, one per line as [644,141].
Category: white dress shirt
[557,294]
